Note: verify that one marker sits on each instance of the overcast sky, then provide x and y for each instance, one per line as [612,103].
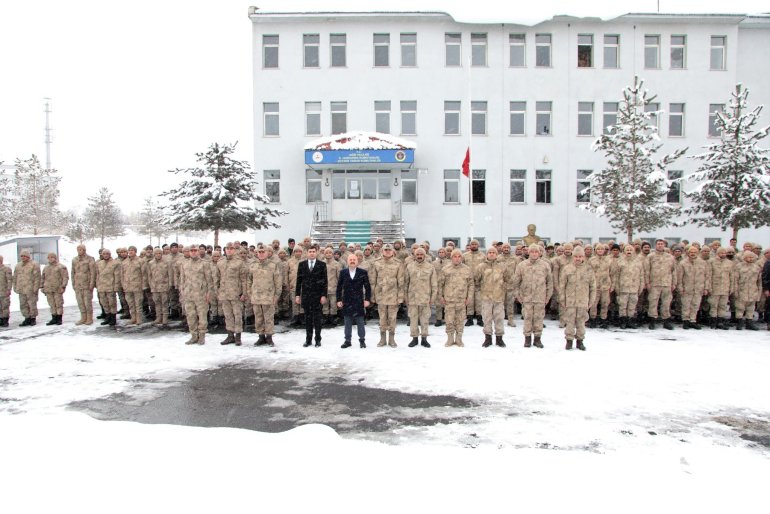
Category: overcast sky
[138,87]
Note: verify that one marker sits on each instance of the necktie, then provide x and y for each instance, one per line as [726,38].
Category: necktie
[311,265]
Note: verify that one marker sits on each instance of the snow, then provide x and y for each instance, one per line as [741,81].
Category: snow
[554,430]
[360,141]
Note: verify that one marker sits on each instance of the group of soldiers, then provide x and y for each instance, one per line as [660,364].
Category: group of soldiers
[242,286]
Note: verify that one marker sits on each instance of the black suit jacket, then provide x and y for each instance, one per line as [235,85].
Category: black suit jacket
[352,293]
[311,286]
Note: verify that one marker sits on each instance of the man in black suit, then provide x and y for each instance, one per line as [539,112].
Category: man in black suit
[353,295]
[311,292]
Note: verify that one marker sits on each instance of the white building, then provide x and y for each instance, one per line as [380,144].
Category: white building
[533,97]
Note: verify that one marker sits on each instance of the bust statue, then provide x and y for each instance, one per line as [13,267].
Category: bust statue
[531,237]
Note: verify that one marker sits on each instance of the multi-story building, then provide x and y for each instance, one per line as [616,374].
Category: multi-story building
[528,100]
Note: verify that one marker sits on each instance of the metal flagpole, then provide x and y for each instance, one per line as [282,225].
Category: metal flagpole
[470,151]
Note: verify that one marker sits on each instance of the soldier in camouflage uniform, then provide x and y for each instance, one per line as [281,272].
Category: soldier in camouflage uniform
[601,265]
[693,277]
[216,313]
[132,280]
[83,282]
[108,277]
[748,289]
[297,256]
[333,269]
[557,263]
[661,282]
[492,278]
[473,257]
[455,290]
[420,289]
[577,290]
[26,283]
[173,258]
[159,278]
[387,280]
[265,283]
[53,283]
[122,255]
[722,284]
[511,261]
[233,291]
[6,284]
[532,288]
[628,280]
[441,260]
[196,289]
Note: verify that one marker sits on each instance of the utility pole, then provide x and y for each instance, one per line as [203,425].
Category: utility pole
[47,111]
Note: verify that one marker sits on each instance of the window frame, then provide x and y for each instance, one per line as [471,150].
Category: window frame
[479,39]
[547,185]
[542,112]
[452,44]
[338,113]
[452,112]
[606,113]
[269,115]
[315,113]
[380,110]
[517,179]
[270,46]
[272,180]
[512,45]
[675,46]
[583,182]
[311,45]
[715,133]
[541,44]
[334,42]
[723,47]
[404,45]
[479,111]
[675,186]
[315,181]
[656,47]
[581,46]
[680,114]
[512,112]
[607,46]
[454,179]
[583,113]
[384,43]
[407,112]
[478,176]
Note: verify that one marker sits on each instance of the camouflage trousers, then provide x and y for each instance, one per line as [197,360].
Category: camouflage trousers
[662,295]
[134,300]
[575,318]
[56,303]
[744,309]
[627,304]
[474,307]
[455,317]
[601,305]
[173,299]
[533,318]
[215,307]
[85,299]
[233,310]
[160,299]
[510,308]
[690,306]
[28,305]
[439,312]
[330,308]
[197,317]
[718,306]
[5,306]
[493,314]
[264,316]
[387,317]
[108,302]
[419,316]
[123,301]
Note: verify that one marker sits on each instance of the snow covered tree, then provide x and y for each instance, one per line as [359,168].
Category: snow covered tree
[629,191]
[77,229]
[5,201]
[219,196]
[34,203]
[733,179]
[103,217]
[151,220]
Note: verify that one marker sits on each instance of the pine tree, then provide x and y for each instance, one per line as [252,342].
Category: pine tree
[34,203]
[219,196]
[151,220]
[5,201]
[77,230]
[629,191]
[733,179]
[103,217]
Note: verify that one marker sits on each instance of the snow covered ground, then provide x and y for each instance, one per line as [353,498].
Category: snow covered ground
[671,421]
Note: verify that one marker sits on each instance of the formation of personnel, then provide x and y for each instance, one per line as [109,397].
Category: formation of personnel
[580,284]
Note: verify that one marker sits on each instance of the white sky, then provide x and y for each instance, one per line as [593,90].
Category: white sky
[138,87]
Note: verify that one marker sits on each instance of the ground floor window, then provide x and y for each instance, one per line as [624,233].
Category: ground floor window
[409,186]
[312,186]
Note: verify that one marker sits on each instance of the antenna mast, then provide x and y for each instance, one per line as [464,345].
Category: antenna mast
[47,111]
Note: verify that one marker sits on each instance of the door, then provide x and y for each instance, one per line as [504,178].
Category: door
[361,195]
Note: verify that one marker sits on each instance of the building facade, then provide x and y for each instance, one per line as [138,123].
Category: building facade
[528,100]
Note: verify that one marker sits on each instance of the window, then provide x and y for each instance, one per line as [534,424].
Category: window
[611,51]
[585,118]
[583,192]
[451,118]
[543,186]
[310,45]
[674,194]
[408,117]
[653,108]
[479,118]
[518,118]
[676,120]
[543,50]
[339,112]
[270,110]
[338,50]
[718,44]
[451,186]
[610,116]
[652,52]
[409,50]
[452,42]
[338,185]
[273,185]
[269,51]
[543,118]
[478,49]
[678,52]
[312,118]
[713,127]
[383,185]
[382,50]
[517,50]
[478,186]
[382,116]
[518,186]
[585,51]
[312,186]
[409,186]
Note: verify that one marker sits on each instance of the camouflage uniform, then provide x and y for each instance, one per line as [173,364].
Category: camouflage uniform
[557,263]
[420,288]
[215,307]
[291,282]
[173,294]
[233,284]
[473,259]
[455,289]
[387,280]
[722,284]
[108,277]
[333,269]
[661,279]
[629,283]
[196,287]
[601,266]
[748,288]
[132,279]
[577,292]
[265,284]
[511,261]
[83,273]
[160,275]
[492,278]
[693,279]
[439,264]
[6,284]
[533,287]
[26,283]
[54,281]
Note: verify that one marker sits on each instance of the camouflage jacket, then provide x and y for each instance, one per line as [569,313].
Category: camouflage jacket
[83,272]
[386,277]
[132,274]
[693,277]
[6,280]
[455,283]
[577,286]
[233,278]
[721,277]
[628,275]
[420,283]
[108,276]
[54,278]
[265,282]
[533,282]
[748,281]
[159,275]
[26,278]
[195,280]
[602,266]
[492,279]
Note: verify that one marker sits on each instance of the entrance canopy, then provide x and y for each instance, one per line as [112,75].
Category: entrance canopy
[360,150]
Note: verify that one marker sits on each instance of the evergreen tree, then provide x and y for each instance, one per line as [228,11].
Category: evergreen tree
[5,201]
[733,179]
[629,191]
[218,196]
[34,202]
[151,220]
[77,229]
[103,217]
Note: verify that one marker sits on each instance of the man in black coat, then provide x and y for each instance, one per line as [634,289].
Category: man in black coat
[311,294]
[766,291]
[353,295]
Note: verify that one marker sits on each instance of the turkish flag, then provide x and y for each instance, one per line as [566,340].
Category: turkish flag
[467,163]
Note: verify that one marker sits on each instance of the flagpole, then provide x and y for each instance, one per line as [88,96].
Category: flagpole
[470,140]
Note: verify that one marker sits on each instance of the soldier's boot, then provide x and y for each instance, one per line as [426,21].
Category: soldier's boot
[113,320]
[459,339]
[605,324]
[687,325]
[424,342]
[90,317]
[261,340]
[667,324]
[382,342]
[499,341]
[537,343]
[480,321]
[694,324]
[579,345]
[469,321]
[32,322]
[412,343]
[439,323]
[106,320]
[623,322]
[103,315]
[750,325]
[528,341]
[392,339]
[238,339]
[230,339]
[631,322]
[591,322]
[202,338]
[724,324]
[739,325]
[24,323]
[82,319]
[59,319]
[450,340]
[53,320]
[126,314]
[569,344]
[651,324]
[3,322]
[269,340]
[487,341]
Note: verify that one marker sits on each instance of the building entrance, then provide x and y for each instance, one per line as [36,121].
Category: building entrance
[361,195]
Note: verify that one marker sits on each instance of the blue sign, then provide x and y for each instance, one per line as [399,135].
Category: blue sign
[327,157]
